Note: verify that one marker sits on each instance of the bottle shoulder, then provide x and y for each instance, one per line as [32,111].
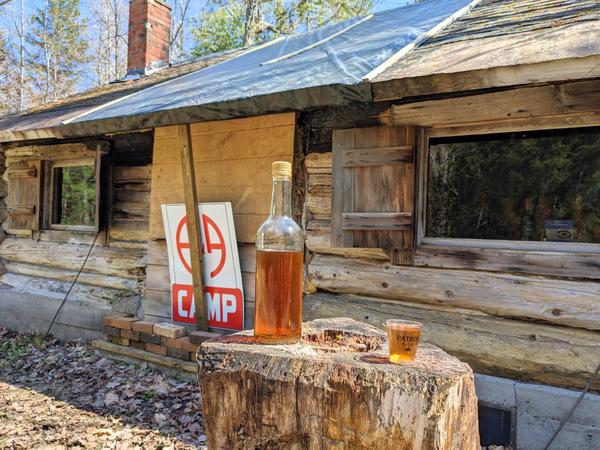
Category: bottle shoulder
[280,233]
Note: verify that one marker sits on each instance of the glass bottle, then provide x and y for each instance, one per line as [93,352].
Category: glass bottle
[279,264]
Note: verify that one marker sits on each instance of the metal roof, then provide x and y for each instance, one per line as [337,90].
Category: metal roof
[333,66]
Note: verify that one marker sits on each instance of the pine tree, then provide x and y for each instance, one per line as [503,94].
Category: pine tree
[57,48]
[238,23]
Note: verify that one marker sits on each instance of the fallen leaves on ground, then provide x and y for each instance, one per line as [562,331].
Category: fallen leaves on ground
[67,396]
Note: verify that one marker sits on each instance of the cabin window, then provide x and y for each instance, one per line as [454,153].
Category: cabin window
[526,186]
[73,195]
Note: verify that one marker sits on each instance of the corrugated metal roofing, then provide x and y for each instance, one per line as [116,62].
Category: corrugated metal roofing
[338,56]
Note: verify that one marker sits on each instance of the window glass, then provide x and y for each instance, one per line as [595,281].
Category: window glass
[74,201]
[542,186]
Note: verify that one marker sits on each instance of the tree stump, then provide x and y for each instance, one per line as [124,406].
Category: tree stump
[334,389]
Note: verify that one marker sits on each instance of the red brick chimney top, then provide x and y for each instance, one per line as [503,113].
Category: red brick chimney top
[149,33]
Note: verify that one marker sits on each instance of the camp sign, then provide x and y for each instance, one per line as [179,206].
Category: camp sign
[223,290]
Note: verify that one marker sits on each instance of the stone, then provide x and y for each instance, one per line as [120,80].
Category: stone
[123,323]
[169,330]
[178,353]
[143,326]
[130,334]
[111,319]
[154,348]
[119,340]
[335,389]
[150,338]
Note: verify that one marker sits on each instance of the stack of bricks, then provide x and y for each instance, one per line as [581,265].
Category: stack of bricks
[165,339]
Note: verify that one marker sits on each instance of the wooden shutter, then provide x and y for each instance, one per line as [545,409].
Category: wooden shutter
[23,196]
[373,189]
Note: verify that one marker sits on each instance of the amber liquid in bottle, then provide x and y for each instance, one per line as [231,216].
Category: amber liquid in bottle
[279,254]
[278,309]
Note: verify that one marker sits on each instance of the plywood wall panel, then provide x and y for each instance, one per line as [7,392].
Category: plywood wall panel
[232,162]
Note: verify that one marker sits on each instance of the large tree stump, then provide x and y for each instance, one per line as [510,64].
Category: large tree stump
[334,390]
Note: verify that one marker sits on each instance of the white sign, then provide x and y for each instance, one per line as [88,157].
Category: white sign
[223,290]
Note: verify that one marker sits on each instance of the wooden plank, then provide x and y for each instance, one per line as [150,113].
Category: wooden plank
[377,221]
[92,279]
[20,209]
[523,103]
[377,156]
[103,260]
[15,174]
[514,125]
[556,301]
[226,159]
[24,191]
[142,355]
[495,77]
[186,155]
[86,149]
[342,188]
[559,356]
[558,264]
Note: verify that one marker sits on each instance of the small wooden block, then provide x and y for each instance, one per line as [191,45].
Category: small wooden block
[119,340]
[143,326]
[124,323]
[187,345]
[111,331]
[150,338]
[130,334]
[138,344]
[193,356]
[198,337]
[169,330]
[179,354]
[154,348]
[108,320]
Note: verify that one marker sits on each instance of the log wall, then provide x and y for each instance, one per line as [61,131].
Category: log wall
[46,262]
[527,326]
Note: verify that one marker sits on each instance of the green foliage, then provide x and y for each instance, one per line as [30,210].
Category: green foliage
[238,23]
[497,189]
[57,47]
[76,204]
[18,347]
[218,31]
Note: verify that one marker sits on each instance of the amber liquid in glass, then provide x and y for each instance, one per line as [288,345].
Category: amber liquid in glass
[278,302]
[403,342]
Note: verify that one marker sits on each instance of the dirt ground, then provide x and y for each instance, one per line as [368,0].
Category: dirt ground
[55,396]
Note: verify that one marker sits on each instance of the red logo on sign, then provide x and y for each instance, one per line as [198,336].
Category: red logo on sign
[210,245]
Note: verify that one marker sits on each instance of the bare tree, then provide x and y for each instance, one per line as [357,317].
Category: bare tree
[109,36]
[179,20]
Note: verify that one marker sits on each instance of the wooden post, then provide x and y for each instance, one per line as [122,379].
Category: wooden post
[186,156]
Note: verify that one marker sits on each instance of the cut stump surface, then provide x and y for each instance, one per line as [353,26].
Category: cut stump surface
[334,389]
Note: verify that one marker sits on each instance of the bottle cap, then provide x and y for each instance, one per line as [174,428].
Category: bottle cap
[282,169]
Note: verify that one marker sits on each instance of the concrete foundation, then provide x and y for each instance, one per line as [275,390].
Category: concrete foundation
[539,411]
[27,312]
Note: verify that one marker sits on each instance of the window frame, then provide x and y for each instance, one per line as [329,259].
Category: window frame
[425,243]
[49,192]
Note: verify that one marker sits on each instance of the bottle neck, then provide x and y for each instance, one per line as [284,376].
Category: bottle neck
[281,201]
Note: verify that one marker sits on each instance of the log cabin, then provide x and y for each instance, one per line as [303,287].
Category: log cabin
[446,168]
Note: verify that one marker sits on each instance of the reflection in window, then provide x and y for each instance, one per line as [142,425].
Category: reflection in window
[518,186]
[74,199]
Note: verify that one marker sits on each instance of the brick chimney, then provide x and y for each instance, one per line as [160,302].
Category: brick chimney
[149,30]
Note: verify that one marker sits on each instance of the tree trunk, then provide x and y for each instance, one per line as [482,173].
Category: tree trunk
[334,389]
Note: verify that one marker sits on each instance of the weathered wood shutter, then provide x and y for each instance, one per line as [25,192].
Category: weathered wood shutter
[23,196]
[373,189]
